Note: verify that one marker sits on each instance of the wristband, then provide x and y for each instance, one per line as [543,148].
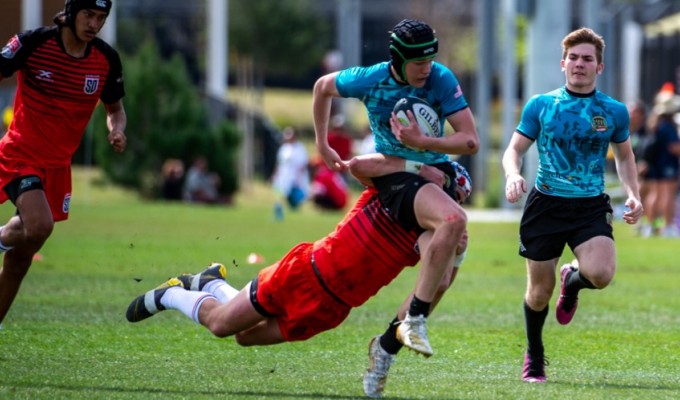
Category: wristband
[413,166]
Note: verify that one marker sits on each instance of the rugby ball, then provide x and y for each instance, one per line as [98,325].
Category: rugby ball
[427,118]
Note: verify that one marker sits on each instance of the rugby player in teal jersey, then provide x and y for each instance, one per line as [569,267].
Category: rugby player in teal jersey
[572,127]
[410,72]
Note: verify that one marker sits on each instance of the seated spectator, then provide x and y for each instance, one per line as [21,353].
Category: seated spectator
[291,175]
[663,160]
[201,185]
[173,179]
[328,190]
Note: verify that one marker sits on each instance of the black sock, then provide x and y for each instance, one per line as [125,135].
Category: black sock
[576,282]
[419,307]
[534,321]
[388,340]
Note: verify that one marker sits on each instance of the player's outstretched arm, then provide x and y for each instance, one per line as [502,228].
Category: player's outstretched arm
[322,96]
[369,166]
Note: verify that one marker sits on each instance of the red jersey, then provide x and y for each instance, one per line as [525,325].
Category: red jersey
[341,143]
[56,95]
[331,185]
[367,250]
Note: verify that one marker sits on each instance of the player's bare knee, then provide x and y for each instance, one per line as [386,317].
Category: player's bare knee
[217,328]
[457,219]
[538,297]
[601,278]
[209,317]
[537,303]
[38,232]
[454,225]
[354,165]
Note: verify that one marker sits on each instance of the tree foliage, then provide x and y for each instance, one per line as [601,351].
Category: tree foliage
[282,37]
[167,118]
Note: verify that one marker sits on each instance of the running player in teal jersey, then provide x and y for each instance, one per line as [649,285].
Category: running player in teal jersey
[410,72]
[572,128]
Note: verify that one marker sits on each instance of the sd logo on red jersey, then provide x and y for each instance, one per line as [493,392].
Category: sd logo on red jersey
[91,84]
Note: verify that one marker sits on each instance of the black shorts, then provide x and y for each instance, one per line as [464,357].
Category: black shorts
[397,192]
[550,222]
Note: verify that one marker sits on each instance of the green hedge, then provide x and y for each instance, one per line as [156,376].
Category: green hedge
[167,118]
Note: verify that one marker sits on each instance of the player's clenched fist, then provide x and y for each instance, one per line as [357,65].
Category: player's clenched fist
[118,141]
[515,187]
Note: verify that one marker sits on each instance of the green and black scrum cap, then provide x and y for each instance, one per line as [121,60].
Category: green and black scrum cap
[411,40]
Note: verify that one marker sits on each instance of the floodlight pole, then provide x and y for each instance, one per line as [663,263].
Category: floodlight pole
[348,39]
[216,67]
[31,14]
[485,50]
[549,21]
[109,32]
[509,81]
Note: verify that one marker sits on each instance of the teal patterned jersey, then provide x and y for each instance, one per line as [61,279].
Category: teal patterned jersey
[572,133]
[379,91]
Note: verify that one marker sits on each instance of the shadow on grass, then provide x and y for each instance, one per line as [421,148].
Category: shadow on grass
[618,386]
[90,391]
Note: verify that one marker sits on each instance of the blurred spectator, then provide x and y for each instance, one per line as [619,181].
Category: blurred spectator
[328,190]
[367,143]
[663,165]
[639,139]
[291,175]
[339,137]
[201,185]
[637,127]
[667,92]
[173,179]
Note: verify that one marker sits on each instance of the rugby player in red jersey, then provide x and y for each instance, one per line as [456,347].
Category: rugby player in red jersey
[63,72]
[311,289]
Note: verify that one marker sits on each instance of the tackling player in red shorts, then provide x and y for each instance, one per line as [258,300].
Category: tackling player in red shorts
[62,73]
[313,288]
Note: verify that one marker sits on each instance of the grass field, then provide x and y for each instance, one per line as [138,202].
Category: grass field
[66,336]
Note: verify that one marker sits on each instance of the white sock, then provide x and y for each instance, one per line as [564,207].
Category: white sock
[185,301]
[220,289]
